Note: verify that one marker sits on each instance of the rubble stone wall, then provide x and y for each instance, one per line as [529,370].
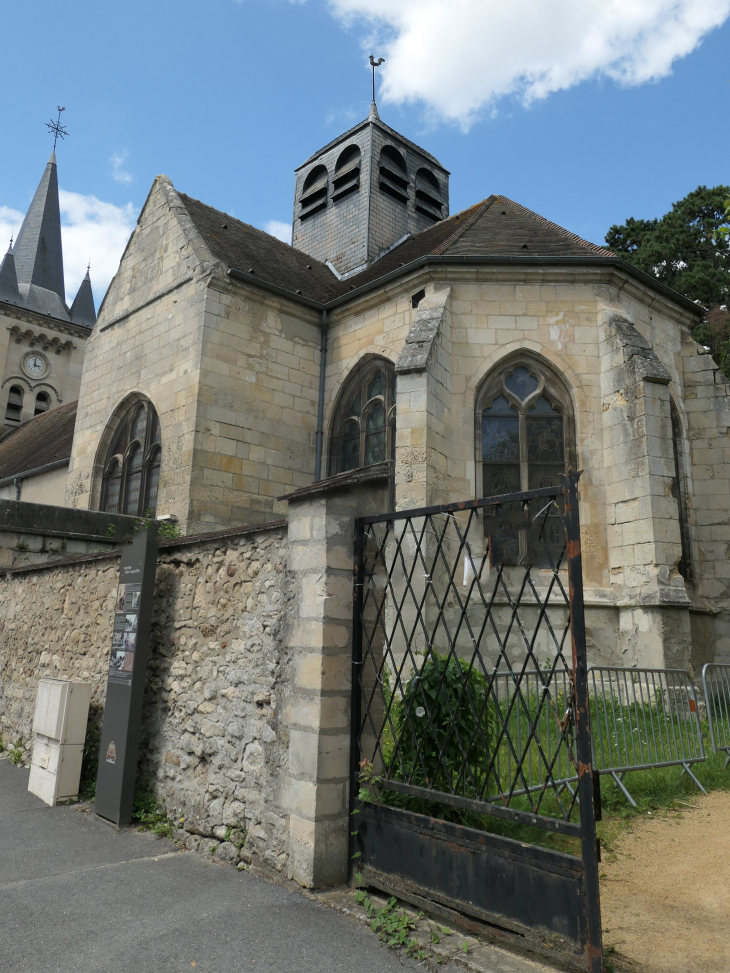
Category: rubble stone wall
[214,744]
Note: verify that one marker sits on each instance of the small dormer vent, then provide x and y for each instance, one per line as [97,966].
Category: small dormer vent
[314,192]
[428,195]
[393,174]
[347,173]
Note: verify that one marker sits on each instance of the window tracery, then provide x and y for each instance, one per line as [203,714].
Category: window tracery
[525,440]
[363,431]
[131,475]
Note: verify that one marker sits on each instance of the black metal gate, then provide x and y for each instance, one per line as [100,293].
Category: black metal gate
[471,720]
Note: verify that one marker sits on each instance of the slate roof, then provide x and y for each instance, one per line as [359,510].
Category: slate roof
[45,439]
[246,248]
[31,274]
[495,227]
[376,120]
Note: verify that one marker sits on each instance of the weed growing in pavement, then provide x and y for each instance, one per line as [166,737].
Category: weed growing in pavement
[151,815]
[16,753]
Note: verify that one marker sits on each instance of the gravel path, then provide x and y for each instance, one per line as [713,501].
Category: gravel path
[666,898]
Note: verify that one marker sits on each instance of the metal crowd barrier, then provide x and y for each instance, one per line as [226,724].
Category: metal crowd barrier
[644,718]
[716,687]
[531,703]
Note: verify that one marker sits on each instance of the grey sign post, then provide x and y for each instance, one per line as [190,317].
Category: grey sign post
[125,684]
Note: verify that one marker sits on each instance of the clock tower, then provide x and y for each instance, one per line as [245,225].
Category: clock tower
[42,339]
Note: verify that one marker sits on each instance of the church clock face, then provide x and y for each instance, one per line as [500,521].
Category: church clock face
[34,365]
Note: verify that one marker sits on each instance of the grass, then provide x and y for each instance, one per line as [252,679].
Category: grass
[638,732]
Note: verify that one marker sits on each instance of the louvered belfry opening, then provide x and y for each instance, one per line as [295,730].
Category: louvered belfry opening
[347,173]
[15,405]
[314,192]
[393,174]
[428,195]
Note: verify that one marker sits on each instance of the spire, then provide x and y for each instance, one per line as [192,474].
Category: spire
[82,309]
[38,254]
[373,114]
[8,279]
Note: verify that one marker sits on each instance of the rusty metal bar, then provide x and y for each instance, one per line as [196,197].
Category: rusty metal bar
[356,693]
[594,948]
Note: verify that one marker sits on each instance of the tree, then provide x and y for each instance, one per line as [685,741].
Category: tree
[688,249]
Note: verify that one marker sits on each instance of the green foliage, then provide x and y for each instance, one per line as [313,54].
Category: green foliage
[90,759]
[714,333]
[16,753]
[2,745]
[111,531]
[166,529]
[688,249]
[444,708]
[151,815]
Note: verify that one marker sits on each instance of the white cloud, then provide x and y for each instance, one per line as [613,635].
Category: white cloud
[119,174]
[96,231]
[462,56]
[91,230]
[279,229]
[10,223]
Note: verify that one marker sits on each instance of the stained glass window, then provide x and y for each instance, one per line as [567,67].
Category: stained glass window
[130,483]
[524,421]
[363,430]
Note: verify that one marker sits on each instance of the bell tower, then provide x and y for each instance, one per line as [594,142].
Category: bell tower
[364,192]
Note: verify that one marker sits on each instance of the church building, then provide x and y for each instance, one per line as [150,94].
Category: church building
[42,344]
[458,356]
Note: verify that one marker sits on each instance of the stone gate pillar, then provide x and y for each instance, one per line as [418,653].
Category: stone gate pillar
[318,638]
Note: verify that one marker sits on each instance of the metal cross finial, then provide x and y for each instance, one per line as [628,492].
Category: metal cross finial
[59,132]
[375,64]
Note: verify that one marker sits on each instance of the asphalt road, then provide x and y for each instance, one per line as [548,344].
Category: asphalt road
[76,896]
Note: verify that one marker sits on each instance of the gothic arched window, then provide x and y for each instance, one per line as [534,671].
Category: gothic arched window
[525,436]
[363,430]
[132,465]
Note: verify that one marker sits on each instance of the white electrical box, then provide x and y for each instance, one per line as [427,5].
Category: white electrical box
[59,727]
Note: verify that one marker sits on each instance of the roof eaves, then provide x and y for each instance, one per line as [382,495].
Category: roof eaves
[505,260]
[257,282]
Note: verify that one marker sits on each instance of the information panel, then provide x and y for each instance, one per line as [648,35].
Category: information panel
[125,683]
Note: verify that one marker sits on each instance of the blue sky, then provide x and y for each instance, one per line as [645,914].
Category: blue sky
[228,97]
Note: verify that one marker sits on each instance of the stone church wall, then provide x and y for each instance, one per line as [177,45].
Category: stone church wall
[147,341]
[257,406]
[214,742]
[644,611]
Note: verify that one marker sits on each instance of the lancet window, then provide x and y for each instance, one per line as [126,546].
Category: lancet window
[132,467]
[525,440]
[363,431]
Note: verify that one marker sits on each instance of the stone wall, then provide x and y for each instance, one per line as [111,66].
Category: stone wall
[31,533]
[214,743]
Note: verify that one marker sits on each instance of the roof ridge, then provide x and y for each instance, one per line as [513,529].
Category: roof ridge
[602,251]
[480,209]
